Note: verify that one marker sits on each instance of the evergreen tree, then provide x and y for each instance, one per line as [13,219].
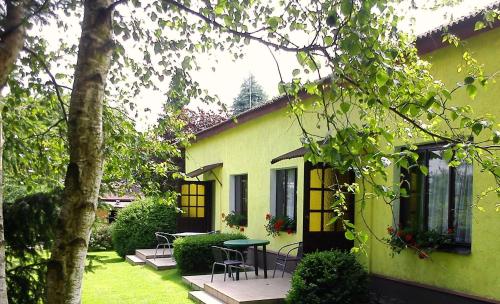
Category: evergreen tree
[251,95]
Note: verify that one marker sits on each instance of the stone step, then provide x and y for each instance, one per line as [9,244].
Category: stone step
[146,254]
[203,298]
[161,263]
[134,260]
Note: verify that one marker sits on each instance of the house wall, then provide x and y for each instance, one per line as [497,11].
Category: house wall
[249,148]
[477,273]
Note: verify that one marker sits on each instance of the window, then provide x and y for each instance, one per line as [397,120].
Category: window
[193,200]
[285,200]
[241,196]
[439,201]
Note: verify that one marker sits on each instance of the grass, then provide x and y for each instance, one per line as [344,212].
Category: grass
[116,281]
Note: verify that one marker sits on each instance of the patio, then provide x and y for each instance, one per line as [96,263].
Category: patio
[253,290]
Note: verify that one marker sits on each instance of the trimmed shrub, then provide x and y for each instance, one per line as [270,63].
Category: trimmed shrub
[100,237]
[194,254]
[329,277]
[136,224]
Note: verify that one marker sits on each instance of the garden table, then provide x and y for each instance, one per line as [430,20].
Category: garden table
[242,244]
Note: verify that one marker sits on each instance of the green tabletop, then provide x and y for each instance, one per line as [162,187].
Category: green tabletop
[245,243]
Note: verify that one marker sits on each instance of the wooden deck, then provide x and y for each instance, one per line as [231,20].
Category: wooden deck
[251,291]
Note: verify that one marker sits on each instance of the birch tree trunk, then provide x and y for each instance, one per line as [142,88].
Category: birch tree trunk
[84,172]
[11,43]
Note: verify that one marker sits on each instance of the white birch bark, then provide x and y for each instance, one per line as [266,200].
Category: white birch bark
[84,172]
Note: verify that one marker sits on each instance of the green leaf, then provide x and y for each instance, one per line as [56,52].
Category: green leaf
[496,137]
[346,7]
[349,235]
[273,22]
[424,170]
[295,72]
[469,80]
[477,128]
[471,91]
[382,78]
[328,40]
[448,154]
[403,192]
[479,26]
[345,106]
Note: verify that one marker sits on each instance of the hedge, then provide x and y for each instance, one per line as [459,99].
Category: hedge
[329,277]
[194,254]
[136,224]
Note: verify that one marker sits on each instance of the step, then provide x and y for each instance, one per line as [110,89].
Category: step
[262,291]
[146,254]
[134,260]
[203,297]
[161,263]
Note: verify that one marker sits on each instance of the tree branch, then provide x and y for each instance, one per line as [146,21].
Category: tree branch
[248,35]
[11,29]
[52,78]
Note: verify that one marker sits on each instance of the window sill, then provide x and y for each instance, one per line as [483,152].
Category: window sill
[457,249]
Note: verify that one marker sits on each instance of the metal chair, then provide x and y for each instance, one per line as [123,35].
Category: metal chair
[222,258]
[282,259]
[164,240]
[238,259]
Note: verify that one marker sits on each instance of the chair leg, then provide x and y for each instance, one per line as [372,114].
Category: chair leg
[284,267]
[213,268]
[274,271]
[225,270]
[154,258]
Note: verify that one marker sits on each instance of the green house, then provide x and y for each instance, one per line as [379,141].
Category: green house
[254,166]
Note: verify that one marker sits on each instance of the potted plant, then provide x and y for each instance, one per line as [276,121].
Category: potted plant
[235,220]
[277,224]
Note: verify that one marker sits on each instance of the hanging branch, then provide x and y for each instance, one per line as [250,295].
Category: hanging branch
[53,80]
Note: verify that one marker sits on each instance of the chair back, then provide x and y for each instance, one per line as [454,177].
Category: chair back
[164,238]
[300,250]
[235,255]
[219,254]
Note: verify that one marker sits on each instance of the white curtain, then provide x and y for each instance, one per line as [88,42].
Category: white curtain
[290,193]
[439,184]
[463,203]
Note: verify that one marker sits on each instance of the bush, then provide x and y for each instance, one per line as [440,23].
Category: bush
[100,237]
[136,224]
[30,223]
[329,277]
[194,254]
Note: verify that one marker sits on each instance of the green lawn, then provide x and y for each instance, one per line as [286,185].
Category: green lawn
[116,281]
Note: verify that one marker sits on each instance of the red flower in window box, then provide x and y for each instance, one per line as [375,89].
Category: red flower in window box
[277,224]
[390,230]
[451,231]
[422,242]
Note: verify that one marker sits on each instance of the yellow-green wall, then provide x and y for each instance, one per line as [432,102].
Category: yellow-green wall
[249,148]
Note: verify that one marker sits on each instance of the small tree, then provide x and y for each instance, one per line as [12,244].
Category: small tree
[251,95]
